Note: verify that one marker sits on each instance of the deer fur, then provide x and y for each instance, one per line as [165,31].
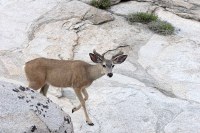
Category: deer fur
[42,72]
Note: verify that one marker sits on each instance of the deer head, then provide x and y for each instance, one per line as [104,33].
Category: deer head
[108,65]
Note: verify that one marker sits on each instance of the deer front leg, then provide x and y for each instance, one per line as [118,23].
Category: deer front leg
[86,98]
[85,94]
[82,101]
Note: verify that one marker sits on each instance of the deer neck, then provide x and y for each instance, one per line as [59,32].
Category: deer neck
[95,72]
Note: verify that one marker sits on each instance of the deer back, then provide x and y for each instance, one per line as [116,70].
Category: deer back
[59,73]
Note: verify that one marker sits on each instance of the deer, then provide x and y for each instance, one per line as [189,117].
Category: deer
[77,74]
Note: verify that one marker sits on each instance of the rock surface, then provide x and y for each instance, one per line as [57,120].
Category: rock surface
[24,110]
[155,90]
[185,8]
[132,7]
[123,105]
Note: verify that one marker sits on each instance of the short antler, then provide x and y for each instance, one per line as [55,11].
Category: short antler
[95,52]
[119,53]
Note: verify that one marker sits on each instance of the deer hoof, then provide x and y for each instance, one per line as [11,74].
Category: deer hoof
[60,96]
[90,124]
[74,109]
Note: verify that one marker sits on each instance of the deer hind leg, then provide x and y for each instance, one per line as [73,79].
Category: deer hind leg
[61,93]
[44,89]
[36,81]
[35,85]
[82,101]
[85,94]
[85,99]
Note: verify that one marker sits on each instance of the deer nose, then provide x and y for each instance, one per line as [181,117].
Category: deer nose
[110,75]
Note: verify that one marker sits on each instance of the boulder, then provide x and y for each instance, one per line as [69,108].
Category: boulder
[25,110]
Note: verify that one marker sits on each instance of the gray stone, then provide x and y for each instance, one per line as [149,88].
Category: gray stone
[24,110]
[97,16]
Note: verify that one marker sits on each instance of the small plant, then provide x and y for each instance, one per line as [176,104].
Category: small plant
[142,17]
[154,24]
[102,4]
[161,27]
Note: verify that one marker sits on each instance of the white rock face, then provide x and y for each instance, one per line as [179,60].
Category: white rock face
[155,90]
[24,110]
[172,60]
[169,61]
[54,30]
[16,17]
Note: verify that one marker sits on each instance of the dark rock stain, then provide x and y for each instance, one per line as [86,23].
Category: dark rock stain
[21,97]
[48,100]
[66,119]
[22,88]
[33,128]
[15,90]
[45,106]
[39,112]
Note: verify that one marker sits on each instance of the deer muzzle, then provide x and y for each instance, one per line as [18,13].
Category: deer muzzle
[110,75]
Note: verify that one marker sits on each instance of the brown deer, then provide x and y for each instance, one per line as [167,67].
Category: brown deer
[42,72]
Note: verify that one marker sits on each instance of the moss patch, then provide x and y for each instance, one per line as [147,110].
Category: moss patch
[101,4]
[142,17]
[161,27]
[154,24]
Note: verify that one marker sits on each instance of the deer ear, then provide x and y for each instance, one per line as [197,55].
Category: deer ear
[119,59]
[95,58]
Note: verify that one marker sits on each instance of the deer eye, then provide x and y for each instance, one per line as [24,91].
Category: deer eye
[113,66]
[104,65]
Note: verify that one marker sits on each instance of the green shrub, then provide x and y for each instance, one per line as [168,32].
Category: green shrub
[161,27]
[142,17]
[102,4]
